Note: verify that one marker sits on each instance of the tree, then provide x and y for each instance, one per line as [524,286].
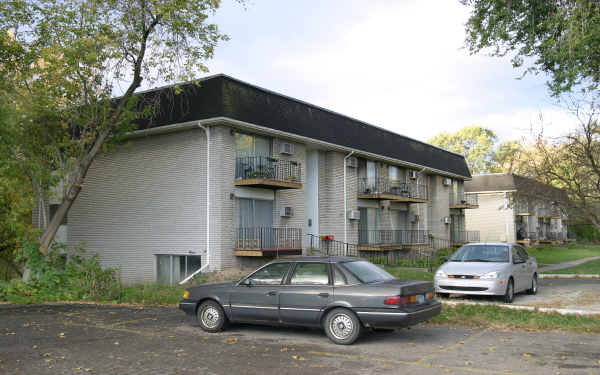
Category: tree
[474,142]
[572,163]
[63,62]
[560,38]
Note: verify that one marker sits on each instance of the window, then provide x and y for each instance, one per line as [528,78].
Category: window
[367,272]
[339,278]
[522,253]
[270,275]
[171,269]
[481,253]
[310,274]
[368,226]
[252,145]
[516,256]
[254,213]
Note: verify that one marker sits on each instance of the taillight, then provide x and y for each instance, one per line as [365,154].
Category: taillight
[397,300]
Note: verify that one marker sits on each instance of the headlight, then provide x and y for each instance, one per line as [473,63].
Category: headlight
[491,275]
[441,274]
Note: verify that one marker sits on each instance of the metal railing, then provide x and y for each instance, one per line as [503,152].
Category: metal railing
[261,238]
[523,207]
[267,167]
[464,199]
[387,186]
[392,237]
[464,236]
[551,236]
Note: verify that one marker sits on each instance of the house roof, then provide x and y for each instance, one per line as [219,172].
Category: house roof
[499,182]
[224,96]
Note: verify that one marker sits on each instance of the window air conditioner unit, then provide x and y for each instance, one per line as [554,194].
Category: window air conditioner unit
[354,215]
[286,211]
[447,220]
[414,218]
[286,148]
[413,175]
[352,162]
[447,182]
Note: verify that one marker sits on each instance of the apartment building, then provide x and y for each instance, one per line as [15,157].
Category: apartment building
[230,174]
[514,208]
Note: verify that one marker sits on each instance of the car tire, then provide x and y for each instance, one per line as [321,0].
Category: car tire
[534,285]
[443,295]
[342,326]
[509,295]
[211,317]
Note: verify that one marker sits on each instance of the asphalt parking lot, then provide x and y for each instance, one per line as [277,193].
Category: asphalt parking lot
[89,339]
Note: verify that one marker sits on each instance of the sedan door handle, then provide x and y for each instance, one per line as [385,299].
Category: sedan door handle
[323,294]
[272,293]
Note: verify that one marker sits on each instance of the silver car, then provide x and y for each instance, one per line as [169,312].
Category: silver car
[488,269]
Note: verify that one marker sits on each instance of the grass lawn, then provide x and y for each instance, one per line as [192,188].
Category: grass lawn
[565,253]
[496,317]
[409,273]
[591,267]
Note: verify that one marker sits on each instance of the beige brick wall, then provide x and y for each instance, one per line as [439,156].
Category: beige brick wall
[439,198]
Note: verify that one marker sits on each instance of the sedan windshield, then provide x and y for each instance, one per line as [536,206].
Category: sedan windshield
[482,253]
[367,272]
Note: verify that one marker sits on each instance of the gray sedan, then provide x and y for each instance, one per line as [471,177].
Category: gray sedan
[342,295]
[488,269]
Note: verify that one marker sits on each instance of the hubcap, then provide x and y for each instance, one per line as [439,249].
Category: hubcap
[210,317]
[341,326]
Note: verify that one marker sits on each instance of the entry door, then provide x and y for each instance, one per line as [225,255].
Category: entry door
[257,297]
[306,295]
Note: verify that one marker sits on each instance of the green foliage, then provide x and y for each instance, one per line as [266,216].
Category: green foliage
[476,143]
[585,233]
[62,277]
[409,274]
[560,38]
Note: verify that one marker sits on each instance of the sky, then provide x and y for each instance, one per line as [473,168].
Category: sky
[397,64]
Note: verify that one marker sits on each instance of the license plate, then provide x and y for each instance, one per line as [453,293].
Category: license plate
[420,299]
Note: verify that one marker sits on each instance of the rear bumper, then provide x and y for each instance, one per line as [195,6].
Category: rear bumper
[384,318]
[188,306]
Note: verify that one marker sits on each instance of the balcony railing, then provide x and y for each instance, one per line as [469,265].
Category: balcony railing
[551,236]
[527,236]
[269,240]
[464,201]
[464,236]
[392,237]
[259,170]
[523,208]
[384,188]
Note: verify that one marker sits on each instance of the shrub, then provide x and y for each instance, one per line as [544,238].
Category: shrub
[62,276]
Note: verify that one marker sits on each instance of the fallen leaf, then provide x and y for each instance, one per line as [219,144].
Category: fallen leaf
[563,357]
[492,349]
[48,360]
[47,354]
[526,355]
[232,340]
[468,363]
[284,349]
[61,335]
[461,342]
[448,370]
[35,347]
[116,343]
[88,369]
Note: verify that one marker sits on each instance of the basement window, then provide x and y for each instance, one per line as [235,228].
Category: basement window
[171,269]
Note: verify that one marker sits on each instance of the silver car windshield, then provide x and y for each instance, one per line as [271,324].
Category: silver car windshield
[367,272]
[482,253]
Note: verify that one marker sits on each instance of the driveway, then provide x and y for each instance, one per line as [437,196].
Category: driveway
[88,339]
[575,294]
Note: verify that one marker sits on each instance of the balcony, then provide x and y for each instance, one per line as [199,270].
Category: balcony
[527,237]
[267,172]
[466,201]
[459,238]
[381,240]
[549,213]
[385,189]
[523,209]
[268,241]
[551,237]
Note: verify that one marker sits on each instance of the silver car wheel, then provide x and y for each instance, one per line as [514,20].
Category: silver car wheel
[210,317]
[341,326]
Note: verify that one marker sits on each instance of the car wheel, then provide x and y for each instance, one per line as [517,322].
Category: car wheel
[534,285]
[443,295]
[211,317]
[342,326]
[509,295]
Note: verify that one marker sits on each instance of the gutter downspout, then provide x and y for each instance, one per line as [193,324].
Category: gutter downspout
[345,205]
[207,132]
